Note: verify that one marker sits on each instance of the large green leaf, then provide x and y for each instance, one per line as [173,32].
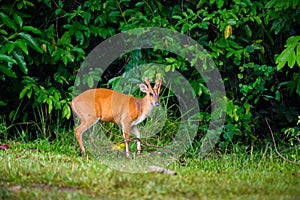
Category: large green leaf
[21,63]
[8,21]
[283,57]
[7,48]
[32,29]
[27,90]
[7,58]
[292,59]
[66,113]
[3,32]
[293,40]
[31,41]
[289,55]
[7,71]
[298,55]
[18,20]
[87,17]
[22,45]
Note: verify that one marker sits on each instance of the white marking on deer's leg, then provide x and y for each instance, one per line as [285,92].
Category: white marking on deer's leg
[138,135]
[126,135]
[127,148]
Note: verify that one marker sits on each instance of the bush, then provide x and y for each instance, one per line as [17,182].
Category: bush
[43,44]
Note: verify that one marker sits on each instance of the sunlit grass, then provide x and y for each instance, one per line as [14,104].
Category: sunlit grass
[41,170]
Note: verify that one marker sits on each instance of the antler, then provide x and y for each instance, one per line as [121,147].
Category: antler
[158,85]
[148,83]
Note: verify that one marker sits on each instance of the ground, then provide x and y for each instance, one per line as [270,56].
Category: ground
[30,173]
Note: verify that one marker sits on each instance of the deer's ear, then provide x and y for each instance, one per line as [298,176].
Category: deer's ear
[143,88]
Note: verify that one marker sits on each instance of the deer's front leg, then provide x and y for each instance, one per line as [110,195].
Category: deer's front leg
[137,133]
[126,135]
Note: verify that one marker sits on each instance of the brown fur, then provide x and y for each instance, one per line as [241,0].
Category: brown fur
[111,106]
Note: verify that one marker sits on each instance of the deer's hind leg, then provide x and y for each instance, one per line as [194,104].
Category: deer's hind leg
[87,119]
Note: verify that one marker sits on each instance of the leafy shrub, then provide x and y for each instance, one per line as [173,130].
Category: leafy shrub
[43,44]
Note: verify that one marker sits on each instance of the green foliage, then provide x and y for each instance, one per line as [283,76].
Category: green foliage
[43,43]
[282,15]
[291,54]
[293,134]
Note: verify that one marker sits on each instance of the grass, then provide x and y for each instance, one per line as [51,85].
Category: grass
[40,170]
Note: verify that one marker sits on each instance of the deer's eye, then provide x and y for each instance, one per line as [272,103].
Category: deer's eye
[151,94]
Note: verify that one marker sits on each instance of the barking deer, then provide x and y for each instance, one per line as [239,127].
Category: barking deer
[111,106]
